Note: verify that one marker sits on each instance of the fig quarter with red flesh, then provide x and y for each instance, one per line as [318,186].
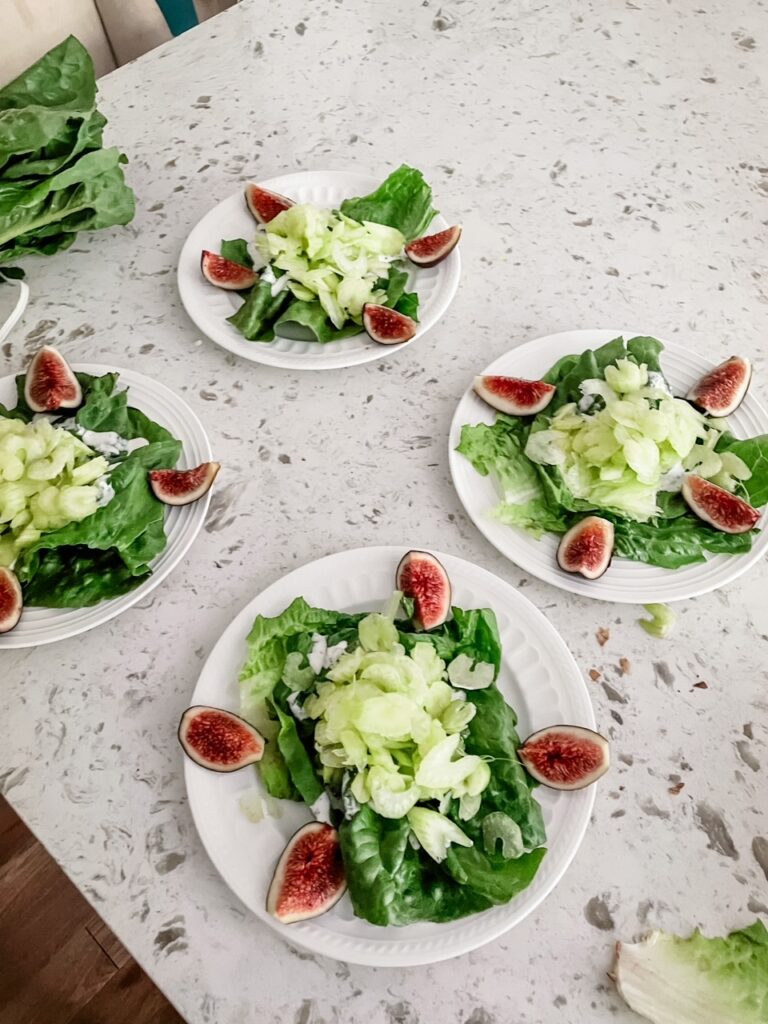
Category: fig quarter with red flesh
[433,249]
[11,602]
[226,273]
[721,391]
[309,877]
[513,395]
[263,204]
[587,547]
[50,383]
[219,740]
[183,486]
[718,507]
[387,326]
[566,756]
[421,577]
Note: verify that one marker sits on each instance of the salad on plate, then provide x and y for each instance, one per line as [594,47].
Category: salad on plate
[332,273]
[601,452]
[392,730]
[84,483]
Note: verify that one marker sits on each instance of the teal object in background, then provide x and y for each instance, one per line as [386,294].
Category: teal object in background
[180,15]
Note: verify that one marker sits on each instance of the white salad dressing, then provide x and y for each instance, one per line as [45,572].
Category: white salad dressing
[268,275]
[109,443]
[321,808]
[106,442]
[586,402]
[106,491]
[672,480]
[280,285]
[322,656]
[659,381]
[297,710]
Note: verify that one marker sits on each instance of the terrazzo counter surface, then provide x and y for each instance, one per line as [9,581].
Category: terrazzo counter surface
[608,163]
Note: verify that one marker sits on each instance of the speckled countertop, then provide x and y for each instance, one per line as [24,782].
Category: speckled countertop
[608,163]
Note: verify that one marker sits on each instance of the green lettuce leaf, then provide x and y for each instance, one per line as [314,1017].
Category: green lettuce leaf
[697,980]
[255,319]
[398,298]
[236,249]
[403,201]
[754,451]
[312,315]
[89,194]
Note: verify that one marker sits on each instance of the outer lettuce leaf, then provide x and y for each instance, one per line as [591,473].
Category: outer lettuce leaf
[312,315]
[498,450]
[255,319]
[398,298]
[754,451]
[403,201]
[236,249]
[671,980]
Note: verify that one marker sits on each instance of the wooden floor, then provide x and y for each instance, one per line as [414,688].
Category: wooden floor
[59,963]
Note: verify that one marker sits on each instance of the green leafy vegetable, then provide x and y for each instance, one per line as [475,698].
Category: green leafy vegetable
[236,249]
[671,980]
[403,201]
[255,319]
[55,180]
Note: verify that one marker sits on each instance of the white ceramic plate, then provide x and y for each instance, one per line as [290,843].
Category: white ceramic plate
[209,306]
[539,678]
[625,581]
[182,524]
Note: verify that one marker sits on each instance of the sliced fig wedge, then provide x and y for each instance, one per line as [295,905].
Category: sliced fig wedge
[513,395]
[11,603]
[309,877]
[226,273]
[721,391]
[587,548]
[386,325]
[51,383]
[183,486]
[718,507]
[219,740]
[263,204]
[421,577]
[433,249]
[566,756]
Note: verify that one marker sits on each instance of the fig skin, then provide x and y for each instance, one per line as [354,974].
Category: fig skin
[226,274]
[50,373]
[574,557]
[11,600]
[263,204]
[734,515]
[551,756]
[421,569]
[323,870]
[433,249]
[239,743]
[386,326]
[183,486]
[722,390]
[514,395]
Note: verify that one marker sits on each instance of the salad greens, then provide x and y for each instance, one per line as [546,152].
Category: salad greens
[614,440]
[55,179]
[107,552]
[697,980]
[435,812]
[322,266]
